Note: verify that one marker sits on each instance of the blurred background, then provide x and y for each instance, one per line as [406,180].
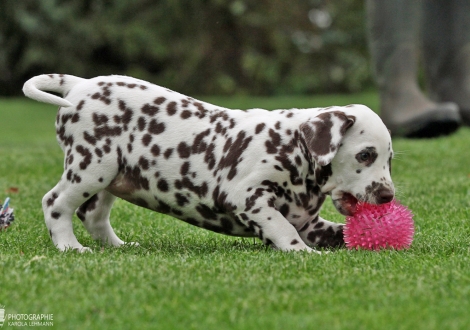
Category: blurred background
[202,47]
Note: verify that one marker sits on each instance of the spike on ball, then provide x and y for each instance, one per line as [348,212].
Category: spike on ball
[375,227]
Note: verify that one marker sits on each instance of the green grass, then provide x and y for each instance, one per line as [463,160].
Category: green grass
[182,277]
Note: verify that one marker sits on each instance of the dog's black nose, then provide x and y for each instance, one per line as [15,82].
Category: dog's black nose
[384,196]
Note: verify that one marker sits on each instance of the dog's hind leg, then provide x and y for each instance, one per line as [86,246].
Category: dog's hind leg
[58,206]
[74,189]
[94,214]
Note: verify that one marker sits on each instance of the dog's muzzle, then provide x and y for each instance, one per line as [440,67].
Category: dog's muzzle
[346,204]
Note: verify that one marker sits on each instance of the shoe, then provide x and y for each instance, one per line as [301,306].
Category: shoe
[465,114]
[432,123]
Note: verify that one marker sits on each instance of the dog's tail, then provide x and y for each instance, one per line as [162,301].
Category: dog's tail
[34,88]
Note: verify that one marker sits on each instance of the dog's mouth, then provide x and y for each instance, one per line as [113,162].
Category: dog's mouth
[346,204]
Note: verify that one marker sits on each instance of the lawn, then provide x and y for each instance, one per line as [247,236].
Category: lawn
[182,277]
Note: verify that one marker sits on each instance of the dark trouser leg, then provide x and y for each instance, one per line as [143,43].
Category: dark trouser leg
[393,36]
[446,44]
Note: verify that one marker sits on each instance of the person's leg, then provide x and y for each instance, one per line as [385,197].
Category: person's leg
[393,33]
[446,45]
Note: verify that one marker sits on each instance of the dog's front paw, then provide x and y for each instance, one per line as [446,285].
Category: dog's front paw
[76,248]
[299,248]
[84,249]
[310,250]
[79,249]
[123,243]
[133,244]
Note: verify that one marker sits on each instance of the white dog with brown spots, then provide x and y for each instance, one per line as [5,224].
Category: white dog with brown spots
[237,172]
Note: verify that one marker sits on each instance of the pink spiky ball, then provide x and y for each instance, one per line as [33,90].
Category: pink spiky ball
[375,227]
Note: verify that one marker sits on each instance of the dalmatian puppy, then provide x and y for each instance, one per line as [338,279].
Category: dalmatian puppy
[249,173]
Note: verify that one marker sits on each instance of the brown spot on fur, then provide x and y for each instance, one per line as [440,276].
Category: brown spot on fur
[51,200]
[146,139]
[80,105]
[233,155]
[141,123]
[162,185]
[184,150]
[185,114]
[156,128]
[149,109]
[159,100]
[88,206]
[168,153]
[155,150]
[171,108]
[259,128]
[87,156]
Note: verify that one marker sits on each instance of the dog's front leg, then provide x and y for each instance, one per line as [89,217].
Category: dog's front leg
[322,233]
[274,229]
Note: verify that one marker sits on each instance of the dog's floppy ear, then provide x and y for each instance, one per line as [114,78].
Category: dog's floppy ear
[324,133]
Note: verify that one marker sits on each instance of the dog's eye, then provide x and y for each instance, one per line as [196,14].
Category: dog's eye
[367,156]
[364,156]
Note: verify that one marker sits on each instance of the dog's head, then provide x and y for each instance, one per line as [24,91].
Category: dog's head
[352,151]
